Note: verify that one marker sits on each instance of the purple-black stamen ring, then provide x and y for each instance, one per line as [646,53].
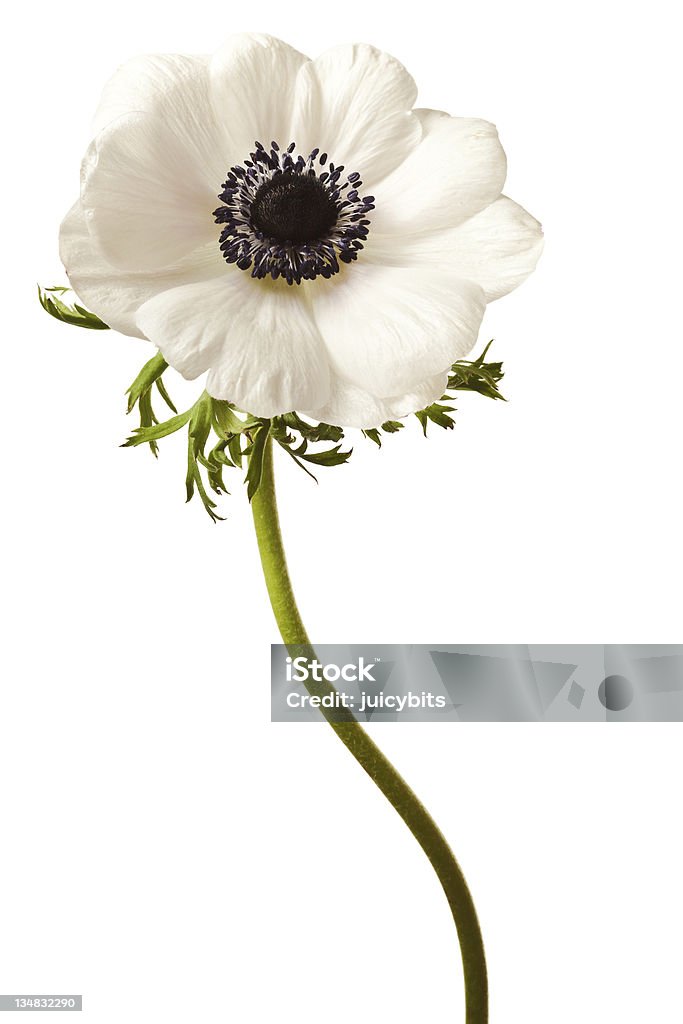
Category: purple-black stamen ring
[284,218]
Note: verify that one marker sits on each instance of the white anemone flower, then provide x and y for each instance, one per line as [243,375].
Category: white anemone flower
[294,228]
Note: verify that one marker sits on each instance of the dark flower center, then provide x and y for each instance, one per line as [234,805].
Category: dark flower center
[293,217]
[293,208]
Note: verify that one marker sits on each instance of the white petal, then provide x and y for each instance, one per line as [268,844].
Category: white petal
[355,102]
[176,91]
[457,170]
[147,197]
[498,248]
[252,85]
[387,328]
[256,338]
[116,296]
[349,406]
[145,84]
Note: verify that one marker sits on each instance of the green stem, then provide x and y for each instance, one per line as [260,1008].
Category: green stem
[369,756]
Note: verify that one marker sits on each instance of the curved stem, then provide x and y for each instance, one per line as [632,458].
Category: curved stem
[368,754]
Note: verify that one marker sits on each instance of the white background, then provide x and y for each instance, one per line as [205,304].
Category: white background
[165,849]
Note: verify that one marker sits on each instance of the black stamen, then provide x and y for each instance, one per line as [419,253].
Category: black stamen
[282,219]
[293,208]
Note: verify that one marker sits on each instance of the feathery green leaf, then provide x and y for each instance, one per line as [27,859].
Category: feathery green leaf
[74,314]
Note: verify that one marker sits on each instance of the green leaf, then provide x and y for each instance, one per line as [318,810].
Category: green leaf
[438,414]
[466,375]
[148,418]
[208,418]
[216,462]
[197,436]
[201,421]
[283,430]
[140,394]
[208,503]
[75,314]
[143,435]
[298,461]
[478,376]
[147,376]
[227,422]
[255,453]
[235,449]
[390,427]
[331,457]
[373,435]
[161,388]
[312,431]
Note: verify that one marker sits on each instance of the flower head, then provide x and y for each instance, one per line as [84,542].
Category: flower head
[294,228]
